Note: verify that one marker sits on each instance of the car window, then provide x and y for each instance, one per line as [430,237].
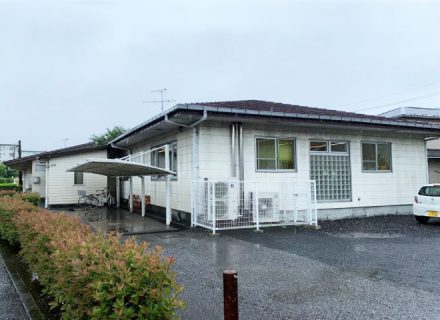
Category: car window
[430,191]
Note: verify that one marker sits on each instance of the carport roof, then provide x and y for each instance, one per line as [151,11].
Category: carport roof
[118,168]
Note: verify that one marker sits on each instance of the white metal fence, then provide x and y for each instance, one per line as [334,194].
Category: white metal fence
[222,205]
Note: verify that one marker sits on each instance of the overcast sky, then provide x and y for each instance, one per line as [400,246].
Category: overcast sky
[72,68]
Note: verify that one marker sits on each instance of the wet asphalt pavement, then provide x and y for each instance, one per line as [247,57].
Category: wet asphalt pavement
[11,307]
[371,268]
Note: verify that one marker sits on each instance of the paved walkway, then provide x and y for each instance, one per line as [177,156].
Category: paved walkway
[11,307]
[120,220]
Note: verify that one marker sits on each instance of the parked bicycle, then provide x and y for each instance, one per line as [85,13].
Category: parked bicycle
[99,199]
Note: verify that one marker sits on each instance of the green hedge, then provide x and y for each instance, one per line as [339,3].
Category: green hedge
[6,180]
[91,275]
[9,186]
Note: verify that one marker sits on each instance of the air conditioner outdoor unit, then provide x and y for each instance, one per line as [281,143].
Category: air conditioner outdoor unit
[268,207]
[227,200]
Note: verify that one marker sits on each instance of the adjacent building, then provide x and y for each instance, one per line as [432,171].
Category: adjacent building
[10,152]
[46,174]
[426,115]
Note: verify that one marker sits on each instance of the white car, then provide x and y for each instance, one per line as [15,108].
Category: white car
[427,203]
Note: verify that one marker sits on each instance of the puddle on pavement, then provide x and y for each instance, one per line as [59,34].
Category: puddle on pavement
[367,235]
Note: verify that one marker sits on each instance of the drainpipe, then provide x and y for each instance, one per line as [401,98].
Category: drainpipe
[426,156]
[167,186]
[426,162]
[46,198]
[233,151]
[195,163]
[240,154]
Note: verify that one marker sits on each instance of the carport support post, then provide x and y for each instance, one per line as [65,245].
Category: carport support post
[143,195]
[131,194]
[118,192]
[167,186]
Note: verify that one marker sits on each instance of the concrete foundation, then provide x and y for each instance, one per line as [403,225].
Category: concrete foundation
[335,214]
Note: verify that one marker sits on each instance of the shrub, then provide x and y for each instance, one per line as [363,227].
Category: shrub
[9,206]
[31,197]
[9,186]
[7,193]
[6,180]
[95,276]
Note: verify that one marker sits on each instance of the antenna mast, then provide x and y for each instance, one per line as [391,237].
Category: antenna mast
[161,98]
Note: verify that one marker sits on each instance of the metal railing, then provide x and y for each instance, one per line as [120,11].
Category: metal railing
[222,205]
[142,156]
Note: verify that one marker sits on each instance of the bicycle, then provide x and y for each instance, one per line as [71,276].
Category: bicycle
[101,198]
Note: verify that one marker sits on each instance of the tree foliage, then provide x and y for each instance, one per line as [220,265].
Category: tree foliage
[108,136]
[6,172]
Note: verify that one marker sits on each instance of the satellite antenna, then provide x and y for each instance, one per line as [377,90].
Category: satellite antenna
[161,98]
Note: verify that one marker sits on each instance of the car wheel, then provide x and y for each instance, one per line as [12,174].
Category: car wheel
[422,219]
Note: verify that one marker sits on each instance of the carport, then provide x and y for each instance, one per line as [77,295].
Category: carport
[128,167]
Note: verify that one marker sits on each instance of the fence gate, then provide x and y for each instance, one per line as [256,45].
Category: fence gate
[222,205]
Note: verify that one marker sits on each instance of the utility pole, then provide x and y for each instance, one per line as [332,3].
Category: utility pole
[20,174]
[161,98]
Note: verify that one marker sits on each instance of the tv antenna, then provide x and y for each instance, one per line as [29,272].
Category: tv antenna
[161,98]
[65,141]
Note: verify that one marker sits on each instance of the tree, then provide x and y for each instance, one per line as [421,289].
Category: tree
[6,172]
[108,136]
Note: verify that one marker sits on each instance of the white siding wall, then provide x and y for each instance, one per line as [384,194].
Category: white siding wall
[368,188]
[180,188]
[61,187]
[39,187]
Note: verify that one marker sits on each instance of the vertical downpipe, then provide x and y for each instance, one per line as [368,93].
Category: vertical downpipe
[194,175]
[233,158]
[240,155]
[46,198]
[168,185]
[426,162]
[241,168]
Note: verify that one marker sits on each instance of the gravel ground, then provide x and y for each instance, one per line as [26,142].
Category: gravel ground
[11,307]
[371,268]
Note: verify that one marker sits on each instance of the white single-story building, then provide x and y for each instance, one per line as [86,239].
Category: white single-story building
[242,163]
[46,174]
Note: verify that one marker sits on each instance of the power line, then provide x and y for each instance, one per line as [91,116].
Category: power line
[401,101]
[392,94]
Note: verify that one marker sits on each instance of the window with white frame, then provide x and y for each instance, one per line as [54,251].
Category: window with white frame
[158,157]
[275,154]
[376,156]
[78,178]
[330,168]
